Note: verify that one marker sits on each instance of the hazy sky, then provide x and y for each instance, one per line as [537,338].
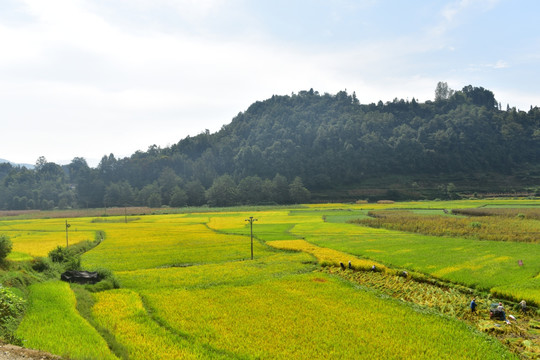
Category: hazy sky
[86,78]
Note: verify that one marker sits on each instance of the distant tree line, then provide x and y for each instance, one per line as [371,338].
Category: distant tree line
[76,185]
[279,148]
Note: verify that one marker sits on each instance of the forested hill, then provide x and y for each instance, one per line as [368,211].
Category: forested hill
[331,140]
[305,140]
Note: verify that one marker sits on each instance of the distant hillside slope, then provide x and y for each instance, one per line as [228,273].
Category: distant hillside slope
[330,144]
[28,166]
[333,139]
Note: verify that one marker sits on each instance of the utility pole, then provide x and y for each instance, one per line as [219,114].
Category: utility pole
[67,227]
[251,220]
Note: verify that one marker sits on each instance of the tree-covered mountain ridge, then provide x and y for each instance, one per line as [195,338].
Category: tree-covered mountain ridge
[321,143]
[333,139]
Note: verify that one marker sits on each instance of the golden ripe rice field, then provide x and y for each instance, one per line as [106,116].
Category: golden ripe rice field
[190,290]
[32,238]
[313,316]
[164,241]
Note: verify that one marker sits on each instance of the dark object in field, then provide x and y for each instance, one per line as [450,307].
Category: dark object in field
[350,265]
[342,265]
[80,277]
[495,313]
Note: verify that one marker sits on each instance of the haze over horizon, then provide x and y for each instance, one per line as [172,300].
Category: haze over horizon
[87,78]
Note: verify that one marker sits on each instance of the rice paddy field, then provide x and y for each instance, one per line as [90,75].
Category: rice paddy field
[52,323]
[189,289]
[33,238]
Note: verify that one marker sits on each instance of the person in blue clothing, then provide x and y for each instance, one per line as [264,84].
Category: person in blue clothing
[473,305]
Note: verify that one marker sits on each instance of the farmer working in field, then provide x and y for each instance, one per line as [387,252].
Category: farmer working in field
[523,306]
[473,305]
[501,309]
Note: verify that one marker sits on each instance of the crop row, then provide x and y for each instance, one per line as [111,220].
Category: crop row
[526,213]
[482,228]
[300,316]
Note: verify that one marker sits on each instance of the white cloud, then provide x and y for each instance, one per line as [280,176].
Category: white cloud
[98,84]
[498,65]
[453,13]
[453,10]
[501,64]
[125,91]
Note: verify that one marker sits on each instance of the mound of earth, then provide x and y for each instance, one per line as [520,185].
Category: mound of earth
[12,352]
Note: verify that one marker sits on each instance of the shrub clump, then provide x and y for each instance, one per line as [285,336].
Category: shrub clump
[66,257]
[11,311]
[40,264]
[5,246]
[70,259]
[107,281]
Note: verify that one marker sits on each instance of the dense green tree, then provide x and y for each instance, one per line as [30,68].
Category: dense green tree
[168,181]
[40,163]
[298,193]
[442,91]
[5,169]
[223,192]
[480,96]
[154,200]
[119,194]
[107,168]
[178,198]
[280,189]
[267,192]
[195,193]
[90,191]
[250,190]
[150,195]
[78,170]
[50,172]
